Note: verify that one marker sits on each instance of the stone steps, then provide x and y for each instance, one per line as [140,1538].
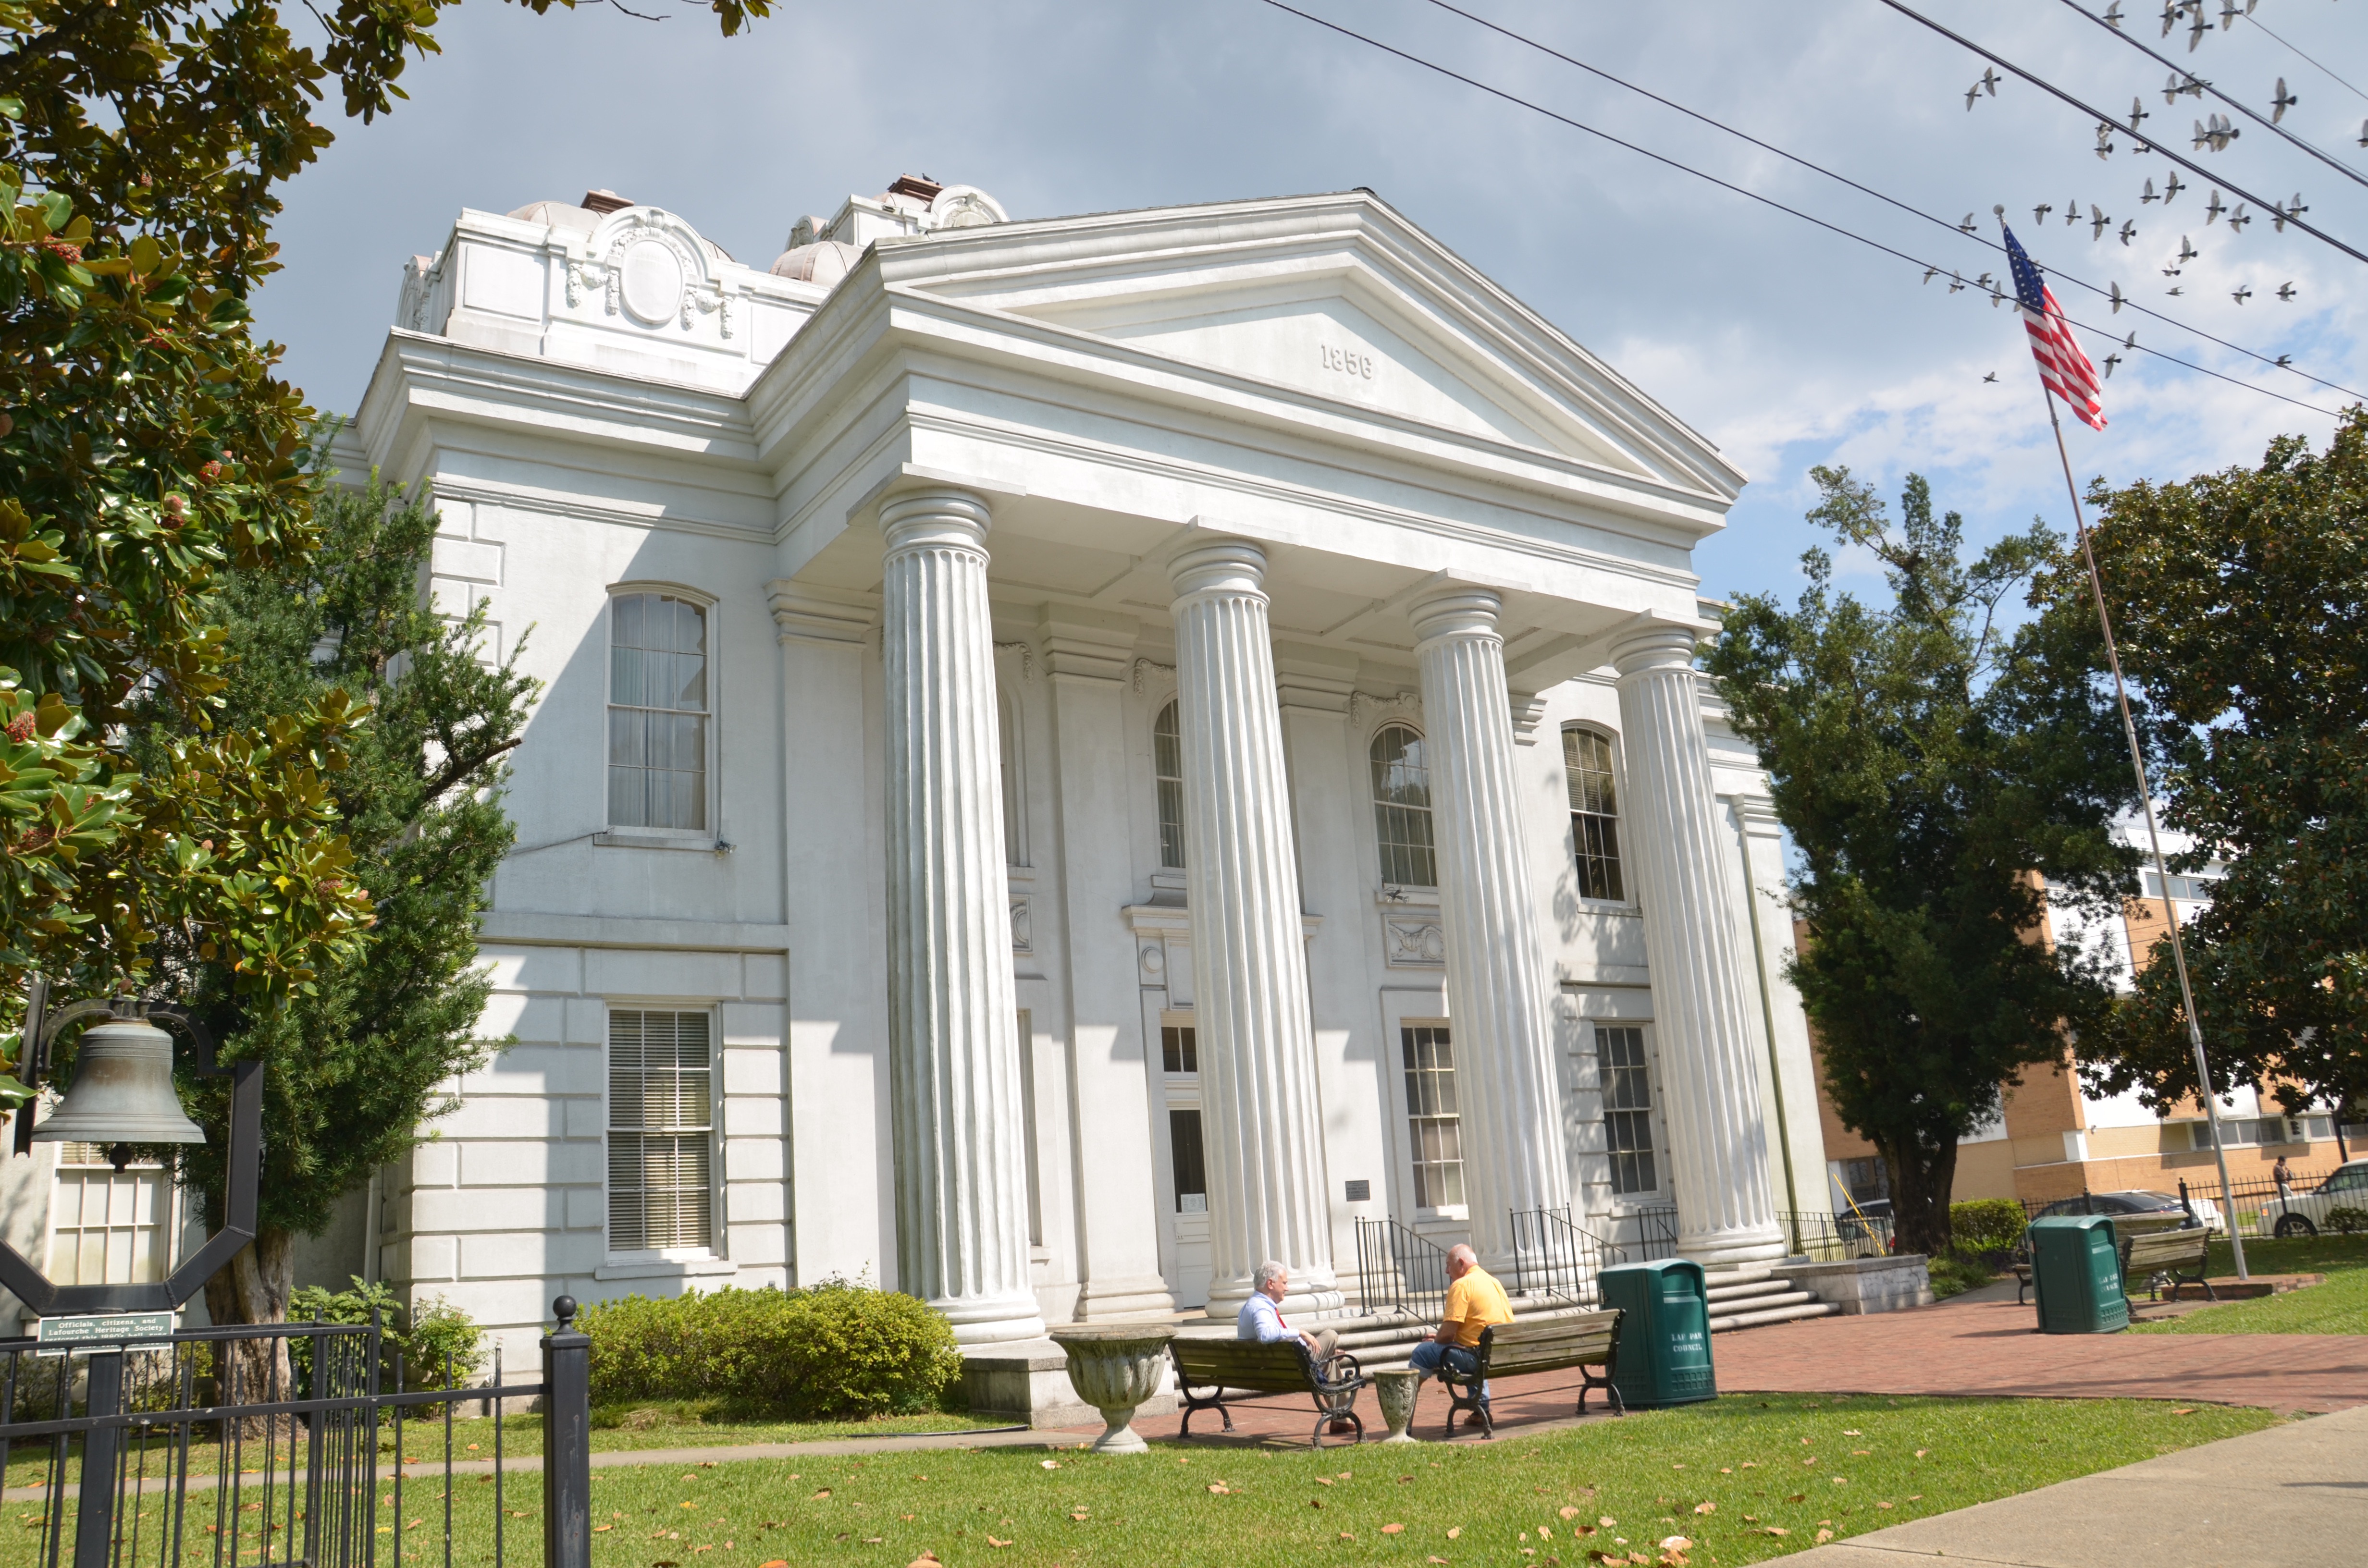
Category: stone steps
[1756,1296]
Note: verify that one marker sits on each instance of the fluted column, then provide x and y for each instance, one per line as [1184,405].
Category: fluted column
[1267,1197]
[1496,993]
[961,1185]
[1701,1017]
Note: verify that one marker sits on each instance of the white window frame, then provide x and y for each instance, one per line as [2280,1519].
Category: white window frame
[1374,804]
[1402,1010]
[1158,824]
[163,1200]
[1626,903]
[667,1259]
[634,834]
[1657,1196]
[1179,1091]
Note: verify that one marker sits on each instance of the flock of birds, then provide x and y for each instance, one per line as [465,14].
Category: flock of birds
[2213,131]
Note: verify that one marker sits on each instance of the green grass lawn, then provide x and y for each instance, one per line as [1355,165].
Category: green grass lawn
[1747,1478]
[2340,1306]
[675,1426]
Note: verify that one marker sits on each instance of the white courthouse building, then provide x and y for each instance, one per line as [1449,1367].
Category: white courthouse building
[1075,755]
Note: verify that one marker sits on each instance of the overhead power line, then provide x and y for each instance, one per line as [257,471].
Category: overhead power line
[2131,131]
[1912,211]
[1932,267]
[2308,61]
[2270,125]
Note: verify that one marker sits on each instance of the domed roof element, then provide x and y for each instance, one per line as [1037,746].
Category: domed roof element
[823,263]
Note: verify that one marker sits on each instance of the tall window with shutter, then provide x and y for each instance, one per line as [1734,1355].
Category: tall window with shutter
[657,712]
[661,1132]
[1402,807]
[1627,1109]
[1167,777]
[1594,814]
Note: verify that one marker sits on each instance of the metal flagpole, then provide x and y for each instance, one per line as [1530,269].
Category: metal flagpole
[2154,836]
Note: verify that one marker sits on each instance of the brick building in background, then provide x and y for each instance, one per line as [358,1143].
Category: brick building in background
[2054,1140]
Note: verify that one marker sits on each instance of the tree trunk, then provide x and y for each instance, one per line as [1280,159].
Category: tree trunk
[1920,1182]
[254,1288]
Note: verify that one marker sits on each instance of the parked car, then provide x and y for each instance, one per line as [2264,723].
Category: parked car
[2140,1207]
[2305,1213]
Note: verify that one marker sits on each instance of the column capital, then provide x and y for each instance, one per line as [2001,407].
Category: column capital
[1461,610]
[1221,565]
[1658,645]
[924,519]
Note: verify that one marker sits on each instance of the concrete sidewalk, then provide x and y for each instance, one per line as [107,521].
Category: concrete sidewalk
[2292,1494]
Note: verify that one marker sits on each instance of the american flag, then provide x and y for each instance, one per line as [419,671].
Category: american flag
[2062,368]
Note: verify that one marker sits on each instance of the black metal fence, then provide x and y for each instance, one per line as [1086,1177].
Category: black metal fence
[2204,1201]
[283,1446]
[1834,1238]
[1399,1271]
[1644,1234]
[1555,1255]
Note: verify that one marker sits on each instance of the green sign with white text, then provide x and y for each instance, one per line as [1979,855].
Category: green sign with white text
[103,1328]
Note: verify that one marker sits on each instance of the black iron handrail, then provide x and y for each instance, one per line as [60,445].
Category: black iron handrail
[1400,1271]
[1555,1255]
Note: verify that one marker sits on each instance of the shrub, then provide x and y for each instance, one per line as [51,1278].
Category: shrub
[1987,1226]
[836,1349]
[2346,1222]
[1954,1275]
[422,1336]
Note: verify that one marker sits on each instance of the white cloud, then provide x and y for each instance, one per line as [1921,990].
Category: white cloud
[1785,345]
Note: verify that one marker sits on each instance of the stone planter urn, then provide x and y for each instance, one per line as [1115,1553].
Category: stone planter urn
[1397,1391]
[1115,1367]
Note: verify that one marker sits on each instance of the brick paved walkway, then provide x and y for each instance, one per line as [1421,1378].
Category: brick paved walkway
[1982,1347]
[1986,1348]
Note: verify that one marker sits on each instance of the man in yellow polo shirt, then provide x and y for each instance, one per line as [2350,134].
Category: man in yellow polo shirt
[1475,1301]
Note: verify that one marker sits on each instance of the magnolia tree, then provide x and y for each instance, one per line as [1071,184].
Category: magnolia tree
[161,827]
[1932,767]
[2238,598]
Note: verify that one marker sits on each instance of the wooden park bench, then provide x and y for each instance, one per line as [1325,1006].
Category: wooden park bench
[1220,1366]
[1585,1340]
[2148,1254]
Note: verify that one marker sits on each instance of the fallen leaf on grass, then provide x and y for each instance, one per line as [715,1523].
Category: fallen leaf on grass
[1882,1504]
[690,1505]
[926,1560]
[1315,1502]
[1853,1432]
[1323,1481]
[1840,1480]
[1346,1474]
[1347,1535]
[1608,1522]
[1393,1529]
[1916,1497]
[823,1492]
[1219,1489]
[1051,1464]
[1921,1453]
[1569,1513]
[1798,1498]
[1862,1453]
[1705,1507]
[2187,1411]
[1441,1560]
[1457,1530]
[997,1544]
[1825,1536]
[1073,1513]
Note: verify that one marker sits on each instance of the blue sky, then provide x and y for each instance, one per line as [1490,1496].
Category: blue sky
[1787,346]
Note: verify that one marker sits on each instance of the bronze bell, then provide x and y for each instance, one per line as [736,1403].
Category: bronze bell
[122,1091]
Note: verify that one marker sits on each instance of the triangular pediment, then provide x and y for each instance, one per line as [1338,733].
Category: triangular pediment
[1339,297]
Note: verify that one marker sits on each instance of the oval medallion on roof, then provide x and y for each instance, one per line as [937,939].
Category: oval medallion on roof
[651,276]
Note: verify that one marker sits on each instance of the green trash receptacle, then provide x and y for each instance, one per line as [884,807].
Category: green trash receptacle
[2075,1274]
[1663,1354]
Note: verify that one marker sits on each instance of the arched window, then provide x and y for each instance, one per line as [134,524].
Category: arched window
[1167,774]
[1402,807]
[657,712]
[1594,813]
[1006,736]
